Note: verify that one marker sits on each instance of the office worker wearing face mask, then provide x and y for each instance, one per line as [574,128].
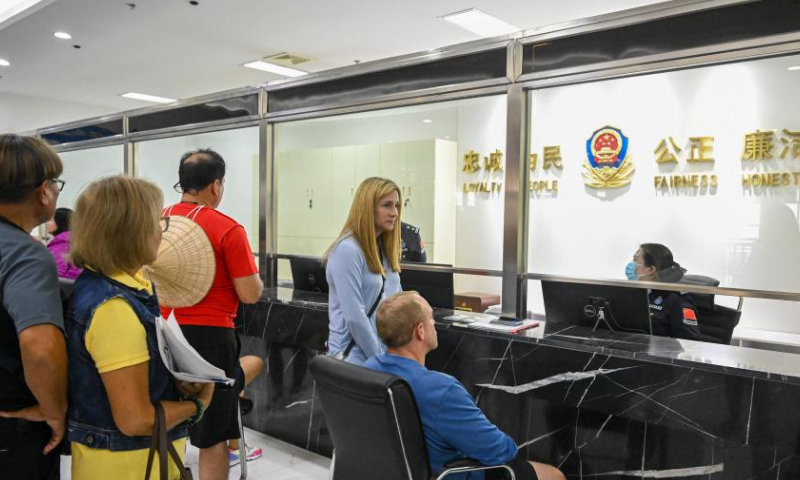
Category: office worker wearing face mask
[673,314]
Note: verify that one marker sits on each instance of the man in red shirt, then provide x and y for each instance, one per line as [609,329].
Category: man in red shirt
[208,325]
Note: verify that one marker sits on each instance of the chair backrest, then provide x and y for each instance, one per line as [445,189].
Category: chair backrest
[373,421]
[716,322]
[701,300]
[718,328]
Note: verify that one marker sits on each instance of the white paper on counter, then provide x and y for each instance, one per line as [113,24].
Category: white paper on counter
[485,325]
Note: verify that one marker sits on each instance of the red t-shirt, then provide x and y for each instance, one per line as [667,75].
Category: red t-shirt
[234,259]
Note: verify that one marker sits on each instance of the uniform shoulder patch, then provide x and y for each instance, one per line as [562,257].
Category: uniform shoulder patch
[689,316]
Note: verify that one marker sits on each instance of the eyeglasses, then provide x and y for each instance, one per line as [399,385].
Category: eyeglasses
[58,183]
[166,224]
[177,187]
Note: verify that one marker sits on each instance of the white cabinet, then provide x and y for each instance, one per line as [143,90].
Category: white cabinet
[316,188]
[343,168]
[368,162]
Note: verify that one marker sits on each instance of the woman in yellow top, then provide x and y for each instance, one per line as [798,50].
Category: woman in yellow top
[115,371]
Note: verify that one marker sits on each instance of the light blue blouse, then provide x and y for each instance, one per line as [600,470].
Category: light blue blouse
[353,289]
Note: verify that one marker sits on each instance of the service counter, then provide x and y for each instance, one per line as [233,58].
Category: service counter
[608,405]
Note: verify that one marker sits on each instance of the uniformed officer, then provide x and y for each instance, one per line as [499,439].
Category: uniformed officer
[672,314]
[412,244]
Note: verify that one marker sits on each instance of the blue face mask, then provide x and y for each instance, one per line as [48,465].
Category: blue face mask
[630,270]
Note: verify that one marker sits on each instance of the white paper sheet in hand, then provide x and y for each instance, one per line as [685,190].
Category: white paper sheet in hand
[181,359]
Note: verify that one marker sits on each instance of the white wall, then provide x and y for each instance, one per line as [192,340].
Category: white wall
[159,159]
[85,166]
[395,125]
[745,238]
[21,113]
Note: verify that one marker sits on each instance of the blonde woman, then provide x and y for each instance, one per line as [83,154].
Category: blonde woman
[363,267]
[115,371]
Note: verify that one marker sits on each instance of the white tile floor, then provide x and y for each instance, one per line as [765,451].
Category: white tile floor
[281,461]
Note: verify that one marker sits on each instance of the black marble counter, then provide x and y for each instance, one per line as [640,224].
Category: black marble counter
[607,405]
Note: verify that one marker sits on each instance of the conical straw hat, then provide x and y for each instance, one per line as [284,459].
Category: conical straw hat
[185,266]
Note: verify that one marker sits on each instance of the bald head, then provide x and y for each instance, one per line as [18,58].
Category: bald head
[200,168]
[399,315]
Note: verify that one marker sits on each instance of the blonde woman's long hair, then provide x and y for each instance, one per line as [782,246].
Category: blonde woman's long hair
[361,225]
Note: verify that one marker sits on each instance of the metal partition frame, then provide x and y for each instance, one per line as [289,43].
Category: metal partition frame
[515,85]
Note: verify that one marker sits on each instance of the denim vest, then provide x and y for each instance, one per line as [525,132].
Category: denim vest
[90,421]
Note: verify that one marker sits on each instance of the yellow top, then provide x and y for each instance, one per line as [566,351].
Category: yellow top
[116,339]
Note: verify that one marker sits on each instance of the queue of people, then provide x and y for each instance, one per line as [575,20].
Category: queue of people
[103,354]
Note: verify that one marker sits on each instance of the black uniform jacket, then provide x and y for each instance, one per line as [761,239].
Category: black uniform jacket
[413,246]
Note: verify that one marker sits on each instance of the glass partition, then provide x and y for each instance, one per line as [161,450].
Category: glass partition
[82,167]
[704,161]
[158,161]
[448,159]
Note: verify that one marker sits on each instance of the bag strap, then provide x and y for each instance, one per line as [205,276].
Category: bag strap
[369,315]
[159,442]
[151,454]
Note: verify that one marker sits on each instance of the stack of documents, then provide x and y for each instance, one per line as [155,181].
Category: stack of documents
[484,322]
[181,359]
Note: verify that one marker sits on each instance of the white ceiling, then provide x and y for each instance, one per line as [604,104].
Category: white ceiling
[172,49]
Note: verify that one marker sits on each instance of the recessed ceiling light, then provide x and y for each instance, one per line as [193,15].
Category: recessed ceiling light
[62,35]
[427,120]
[795,68]
[147,98]
[4,62]
[480,23]
[272,68]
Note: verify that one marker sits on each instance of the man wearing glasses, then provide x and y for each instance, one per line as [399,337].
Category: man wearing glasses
[33,357]
[208,325]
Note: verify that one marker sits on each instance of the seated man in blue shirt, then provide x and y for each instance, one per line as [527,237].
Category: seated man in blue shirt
[454,425]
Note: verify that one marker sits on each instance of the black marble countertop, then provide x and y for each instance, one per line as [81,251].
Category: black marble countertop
[777,366]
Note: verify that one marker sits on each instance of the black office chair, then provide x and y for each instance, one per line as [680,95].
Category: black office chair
[716,322]
[375,426]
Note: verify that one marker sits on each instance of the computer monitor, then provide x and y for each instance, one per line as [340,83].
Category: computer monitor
[625,309]
[435,287]
[308,274]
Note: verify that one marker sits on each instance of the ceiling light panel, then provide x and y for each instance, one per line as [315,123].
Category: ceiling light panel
[147,98]
[277,69]
[4,62]
[62,35]
[480,23]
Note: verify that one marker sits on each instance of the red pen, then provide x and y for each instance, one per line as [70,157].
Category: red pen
[525,327]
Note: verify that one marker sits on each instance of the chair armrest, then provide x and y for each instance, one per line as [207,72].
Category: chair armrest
[462,463]
[470,465]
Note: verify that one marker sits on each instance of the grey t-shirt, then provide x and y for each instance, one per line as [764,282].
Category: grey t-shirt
[28,280]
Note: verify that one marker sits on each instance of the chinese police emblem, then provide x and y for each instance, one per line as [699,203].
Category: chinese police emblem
[607,164]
